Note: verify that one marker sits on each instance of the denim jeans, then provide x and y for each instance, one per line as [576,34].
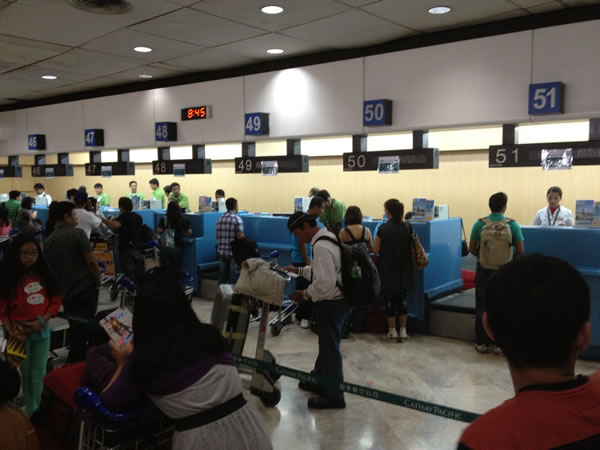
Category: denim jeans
[481,276]
[80,311]
[226,265]
[332,316]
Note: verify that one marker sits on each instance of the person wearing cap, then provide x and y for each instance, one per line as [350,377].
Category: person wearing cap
[16,432]
[325,275]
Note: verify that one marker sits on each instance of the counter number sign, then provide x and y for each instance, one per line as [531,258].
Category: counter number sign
[165,131]
[377,113]
[94,137]
[256,123]
[546,98]
[36,142]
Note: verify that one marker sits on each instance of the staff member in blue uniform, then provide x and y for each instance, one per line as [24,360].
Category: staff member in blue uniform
[554,215]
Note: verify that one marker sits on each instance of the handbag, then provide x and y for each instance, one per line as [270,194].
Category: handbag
[419,257]
[167,238]
[465,247]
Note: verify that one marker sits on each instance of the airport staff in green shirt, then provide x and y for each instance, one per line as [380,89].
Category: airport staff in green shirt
[179,197]
[133,191]
[102,197]
[157,192]
[334,212]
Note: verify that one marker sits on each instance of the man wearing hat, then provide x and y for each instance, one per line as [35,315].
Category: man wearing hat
[325,275]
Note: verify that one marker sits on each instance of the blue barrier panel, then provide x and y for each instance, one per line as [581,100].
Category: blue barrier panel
[580,247]
[42,214]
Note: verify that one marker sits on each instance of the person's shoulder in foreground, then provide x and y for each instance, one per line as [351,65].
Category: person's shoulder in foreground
[538,310]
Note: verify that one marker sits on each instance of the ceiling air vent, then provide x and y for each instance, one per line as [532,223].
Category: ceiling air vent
[102,6]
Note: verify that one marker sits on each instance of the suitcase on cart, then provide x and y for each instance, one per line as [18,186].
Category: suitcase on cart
[231,316]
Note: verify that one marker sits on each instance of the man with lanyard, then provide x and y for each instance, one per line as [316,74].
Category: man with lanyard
[40,194]
[325,291]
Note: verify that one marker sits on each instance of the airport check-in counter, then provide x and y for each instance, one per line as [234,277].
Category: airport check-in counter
[442,241]
[42,214]
[580,247]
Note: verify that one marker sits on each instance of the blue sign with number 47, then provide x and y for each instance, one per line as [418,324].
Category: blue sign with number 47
[546,98]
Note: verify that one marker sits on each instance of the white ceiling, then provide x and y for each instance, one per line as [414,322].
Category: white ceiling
[88,50]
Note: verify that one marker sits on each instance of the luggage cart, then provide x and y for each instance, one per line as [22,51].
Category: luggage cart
[104,429]
[231,315]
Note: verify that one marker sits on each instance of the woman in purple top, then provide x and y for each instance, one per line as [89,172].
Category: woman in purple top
[183,366]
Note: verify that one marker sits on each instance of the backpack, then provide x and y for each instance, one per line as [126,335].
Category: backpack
[360,279]
[495,244]
[143,233]
[361,243]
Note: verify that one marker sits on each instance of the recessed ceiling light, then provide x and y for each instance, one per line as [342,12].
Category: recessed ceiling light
[142,49]
[272,9]
[144,75]
[49,77]
[275,51]
[439,10]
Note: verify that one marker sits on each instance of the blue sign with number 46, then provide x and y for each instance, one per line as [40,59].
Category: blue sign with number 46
[546,98]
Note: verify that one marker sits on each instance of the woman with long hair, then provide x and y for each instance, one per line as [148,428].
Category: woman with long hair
[393,244]
[175,224]
[184,367]
[29,297]
[26,217]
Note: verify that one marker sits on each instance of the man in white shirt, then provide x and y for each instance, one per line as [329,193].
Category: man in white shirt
[86,220]
[325,274]
[41,194]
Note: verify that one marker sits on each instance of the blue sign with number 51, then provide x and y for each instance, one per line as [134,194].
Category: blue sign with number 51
[546,98]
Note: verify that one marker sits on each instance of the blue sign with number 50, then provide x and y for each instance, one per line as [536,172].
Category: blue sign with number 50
[377,112]
[546,98]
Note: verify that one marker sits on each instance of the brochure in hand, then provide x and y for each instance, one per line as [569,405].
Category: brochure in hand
[118,326]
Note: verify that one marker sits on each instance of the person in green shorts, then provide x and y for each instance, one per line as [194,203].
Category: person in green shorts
[102,197]
[13,205]
[179,197]
[334,212]
[157,192]
[133,191]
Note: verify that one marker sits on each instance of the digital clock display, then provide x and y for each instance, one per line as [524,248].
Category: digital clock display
[196,113]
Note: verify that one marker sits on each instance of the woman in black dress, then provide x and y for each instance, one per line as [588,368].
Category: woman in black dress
[393,244]
[174,222]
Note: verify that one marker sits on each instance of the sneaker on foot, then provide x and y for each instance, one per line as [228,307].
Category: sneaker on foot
[497,350]
[304,323]
[403,336]
[482,348]
[392,334]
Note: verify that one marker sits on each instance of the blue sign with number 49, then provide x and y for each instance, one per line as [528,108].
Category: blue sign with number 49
[546,98]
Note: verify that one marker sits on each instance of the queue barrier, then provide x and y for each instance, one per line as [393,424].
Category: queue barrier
[362,391]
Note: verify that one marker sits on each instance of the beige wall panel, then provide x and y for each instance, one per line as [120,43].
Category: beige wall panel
[464,182]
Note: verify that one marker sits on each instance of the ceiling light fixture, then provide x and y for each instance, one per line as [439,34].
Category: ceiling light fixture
[49,77]
[144,75]
[142,49]
[439,10]
[271,9]
[275,51]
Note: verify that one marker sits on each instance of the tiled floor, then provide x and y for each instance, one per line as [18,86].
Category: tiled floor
[438,370]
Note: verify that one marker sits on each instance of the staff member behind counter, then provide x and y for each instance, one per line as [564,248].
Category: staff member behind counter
[133,191]
[554,215]
[179,197]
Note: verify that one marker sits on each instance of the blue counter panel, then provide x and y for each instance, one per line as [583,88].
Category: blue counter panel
[580,247]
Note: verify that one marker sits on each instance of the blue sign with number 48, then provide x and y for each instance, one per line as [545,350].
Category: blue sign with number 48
[546,98]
